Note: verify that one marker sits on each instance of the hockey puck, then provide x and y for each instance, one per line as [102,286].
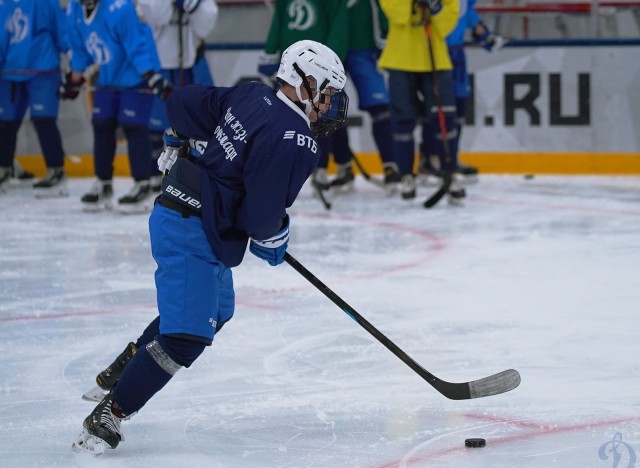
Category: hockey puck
[475,443]
[528,176]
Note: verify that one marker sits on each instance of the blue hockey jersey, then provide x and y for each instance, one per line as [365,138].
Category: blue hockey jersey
[114,38]
[260,151]
[32,39]
[468,19]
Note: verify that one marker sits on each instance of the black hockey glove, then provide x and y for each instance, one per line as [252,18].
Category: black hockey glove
[70,86]
[434,6]
[486,38]
[160,87]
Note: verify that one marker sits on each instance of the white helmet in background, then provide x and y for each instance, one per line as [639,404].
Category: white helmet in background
[310,58]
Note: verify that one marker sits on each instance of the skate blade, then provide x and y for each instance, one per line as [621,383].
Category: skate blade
[424,180]
[391,190]
[89,444]
[466,179]
[343,189]
[42,194]
[455,201]
[141,208]
[96,207]
[95,394]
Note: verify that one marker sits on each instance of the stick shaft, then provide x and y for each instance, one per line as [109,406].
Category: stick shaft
[351,312]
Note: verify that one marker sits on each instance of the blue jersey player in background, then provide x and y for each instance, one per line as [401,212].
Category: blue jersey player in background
[109,35]
[258,148]
[32,37]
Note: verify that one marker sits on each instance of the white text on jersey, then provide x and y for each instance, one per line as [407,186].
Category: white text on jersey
[301,140]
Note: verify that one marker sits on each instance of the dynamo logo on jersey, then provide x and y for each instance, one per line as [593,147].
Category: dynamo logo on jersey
[18,26]
[302,14]
[98,49]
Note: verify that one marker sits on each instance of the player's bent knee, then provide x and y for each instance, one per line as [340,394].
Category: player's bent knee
[173,351]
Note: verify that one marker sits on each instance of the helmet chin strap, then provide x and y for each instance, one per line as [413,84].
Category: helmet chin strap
[306,105]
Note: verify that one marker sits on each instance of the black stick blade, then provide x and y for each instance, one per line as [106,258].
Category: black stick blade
[442,191]
[323,199]
[494,384]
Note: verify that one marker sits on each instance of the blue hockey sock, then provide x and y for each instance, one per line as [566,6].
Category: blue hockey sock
[381,129]
[340,144]
[433,133]
[151,369]
[149,333]
[157,147]
[404,145]
[50,140]
[139,147]
[325,150]
[8,141]
[104,148]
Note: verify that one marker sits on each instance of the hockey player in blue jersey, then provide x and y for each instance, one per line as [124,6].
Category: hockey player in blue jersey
[109,34]
[32,37]
[260,149]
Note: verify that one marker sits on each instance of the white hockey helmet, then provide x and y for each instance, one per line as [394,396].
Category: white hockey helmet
[313,59]
[310,58]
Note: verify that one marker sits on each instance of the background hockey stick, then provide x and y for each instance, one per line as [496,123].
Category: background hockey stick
[492,385]
[446,174]
[365,174]
[320,193]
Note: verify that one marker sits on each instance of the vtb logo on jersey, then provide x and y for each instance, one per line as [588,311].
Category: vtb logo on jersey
[18,26]
[302,14]
[301,140]
[98,49]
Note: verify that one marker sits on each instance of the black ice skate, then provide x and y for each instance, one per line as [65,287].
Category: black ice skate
[456,193]
[344,179]
[53,184]
[408,187]
[320,180]
[19,174]
[392,177]
[155,182]
[5,174]
[138,200]
[101,429]
[106,379]
[429,171]
[467,174]
[98,197]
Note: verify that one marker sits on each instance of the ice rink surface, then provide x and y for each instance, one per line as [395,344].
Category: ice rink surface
[539,275]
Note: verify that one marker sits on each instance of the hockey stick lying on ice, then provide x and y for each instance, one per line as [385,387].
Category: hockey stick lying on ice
[493,385]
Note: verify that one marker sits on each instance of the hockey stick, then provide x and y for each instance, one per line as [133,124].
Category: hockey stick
[365,174]
[446,174]
[492,385]
[316,188]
